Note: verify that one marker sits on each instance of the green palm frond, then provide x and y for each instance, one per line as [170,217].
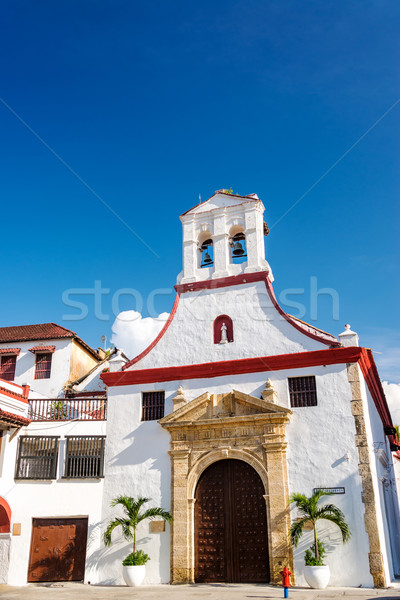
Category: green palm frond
[117,522]
[310,511]
[152,513]
[341,523]
[296,530]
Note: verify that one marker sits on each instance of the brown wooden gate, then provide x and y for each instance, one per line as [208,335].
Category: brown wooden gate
[58,550]
[231,543]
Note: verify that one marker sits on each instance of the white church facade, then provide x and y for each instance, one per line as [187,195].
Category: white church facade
[231,409]
[236,405]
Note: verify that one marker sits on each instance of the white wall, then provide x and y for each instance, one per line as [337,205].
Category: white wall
[258,329]
[319,440]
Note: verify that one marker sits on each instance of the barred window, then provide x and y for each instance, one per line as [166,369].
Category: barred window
[302,391]
[37,457]
[152,406]
[43,365]
[84,456]
[7,367]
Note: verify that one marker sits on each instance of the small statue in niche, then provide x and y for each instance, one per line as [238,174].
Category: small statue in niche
[224,336]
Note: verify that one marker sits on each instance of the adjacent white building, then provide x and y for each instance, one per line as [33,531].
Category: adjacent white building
[52,452]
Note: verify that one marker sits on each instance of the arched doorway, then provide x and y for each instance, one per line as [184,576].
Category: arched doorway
[230,525]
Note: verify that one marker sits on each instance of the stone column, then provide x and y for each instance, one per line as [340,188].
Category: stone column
[364,467]
[280,550]
[180,563]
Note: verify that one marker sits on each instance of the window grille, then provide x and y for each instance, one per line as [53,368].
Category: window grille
[84,456]
[302,391]
[7,367]
[37,457]
[43,365]
[152,406]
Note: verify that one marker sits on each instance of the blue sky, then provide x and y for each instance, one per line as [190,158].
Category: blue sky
[154,103]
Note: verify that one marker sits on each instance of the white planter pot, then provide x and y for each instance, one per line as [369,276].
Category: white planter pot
[317,577]
[134,575]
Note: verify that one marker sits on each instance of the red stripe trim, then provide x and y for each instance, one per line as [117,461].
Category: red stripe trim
[6,506]
[280,362]
[325,338]
[235,367]
[370,372]
[13,419]
[158,338]
[23,397]
[212,284]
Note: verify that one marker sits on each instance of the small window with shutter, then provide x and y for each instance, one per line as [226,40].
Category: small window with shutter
[152,406]
[43,365]
[84,457]
[37,457]
[302,391]
[7,367]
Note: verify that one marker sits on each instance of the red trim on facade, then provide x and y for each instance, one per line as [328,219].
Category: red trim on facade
[157,339]
[280,362]
[235,367]
[10,351]
[319,337]
[42,349]
[5,516]
[12,418]
[6,392]
[212,284]
[370,372]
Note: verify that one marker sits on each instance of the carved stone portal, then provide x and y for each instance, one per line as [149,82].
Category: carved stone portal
[235,425]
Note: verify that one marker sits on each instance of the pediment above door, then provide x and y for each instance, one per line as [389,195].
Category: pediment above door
[229,407]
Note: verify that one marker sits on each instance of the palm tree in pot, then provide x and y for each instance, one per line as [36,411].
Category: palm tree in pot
[134,563]
[316,573]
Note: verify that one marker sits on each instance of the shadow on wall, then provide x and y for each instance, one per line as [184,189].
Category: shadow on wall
[339,555]
[140,469]
[148,452]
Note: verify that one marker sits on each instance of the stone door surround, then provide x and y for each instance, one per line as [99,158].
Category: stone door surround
[233,425]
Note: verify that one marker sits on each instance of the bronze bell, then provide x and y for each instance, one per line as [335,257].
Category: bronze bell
[207,259]
[237,249]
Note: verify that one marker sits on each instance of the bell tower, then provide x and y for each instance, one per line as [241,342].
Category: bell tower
[223,236]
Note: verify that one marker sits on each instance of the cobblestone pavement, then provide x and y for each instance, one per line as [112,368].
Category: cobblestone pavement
[79,591]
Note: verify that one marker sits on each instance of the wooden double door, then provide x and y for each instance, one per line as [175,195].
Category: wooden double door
[231,538]
[58,550]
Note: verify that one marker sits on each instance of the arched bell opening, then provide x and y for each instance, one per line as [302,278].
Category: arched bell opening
[238,248]
[206,250]
[230,525]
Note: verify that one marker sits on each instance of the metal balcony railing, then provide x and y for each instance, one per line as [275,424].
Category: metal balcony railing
[68,409]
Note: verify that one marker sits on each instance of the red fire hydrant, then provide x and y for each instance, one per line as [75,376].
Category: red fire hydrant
[286,581]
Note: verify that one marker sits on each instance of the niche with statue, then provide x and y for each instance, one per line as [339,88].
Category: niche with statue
[223,330]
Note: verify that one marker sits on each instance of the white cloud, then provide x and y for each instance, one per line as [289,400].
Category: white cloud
[392,393]
[132,333]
